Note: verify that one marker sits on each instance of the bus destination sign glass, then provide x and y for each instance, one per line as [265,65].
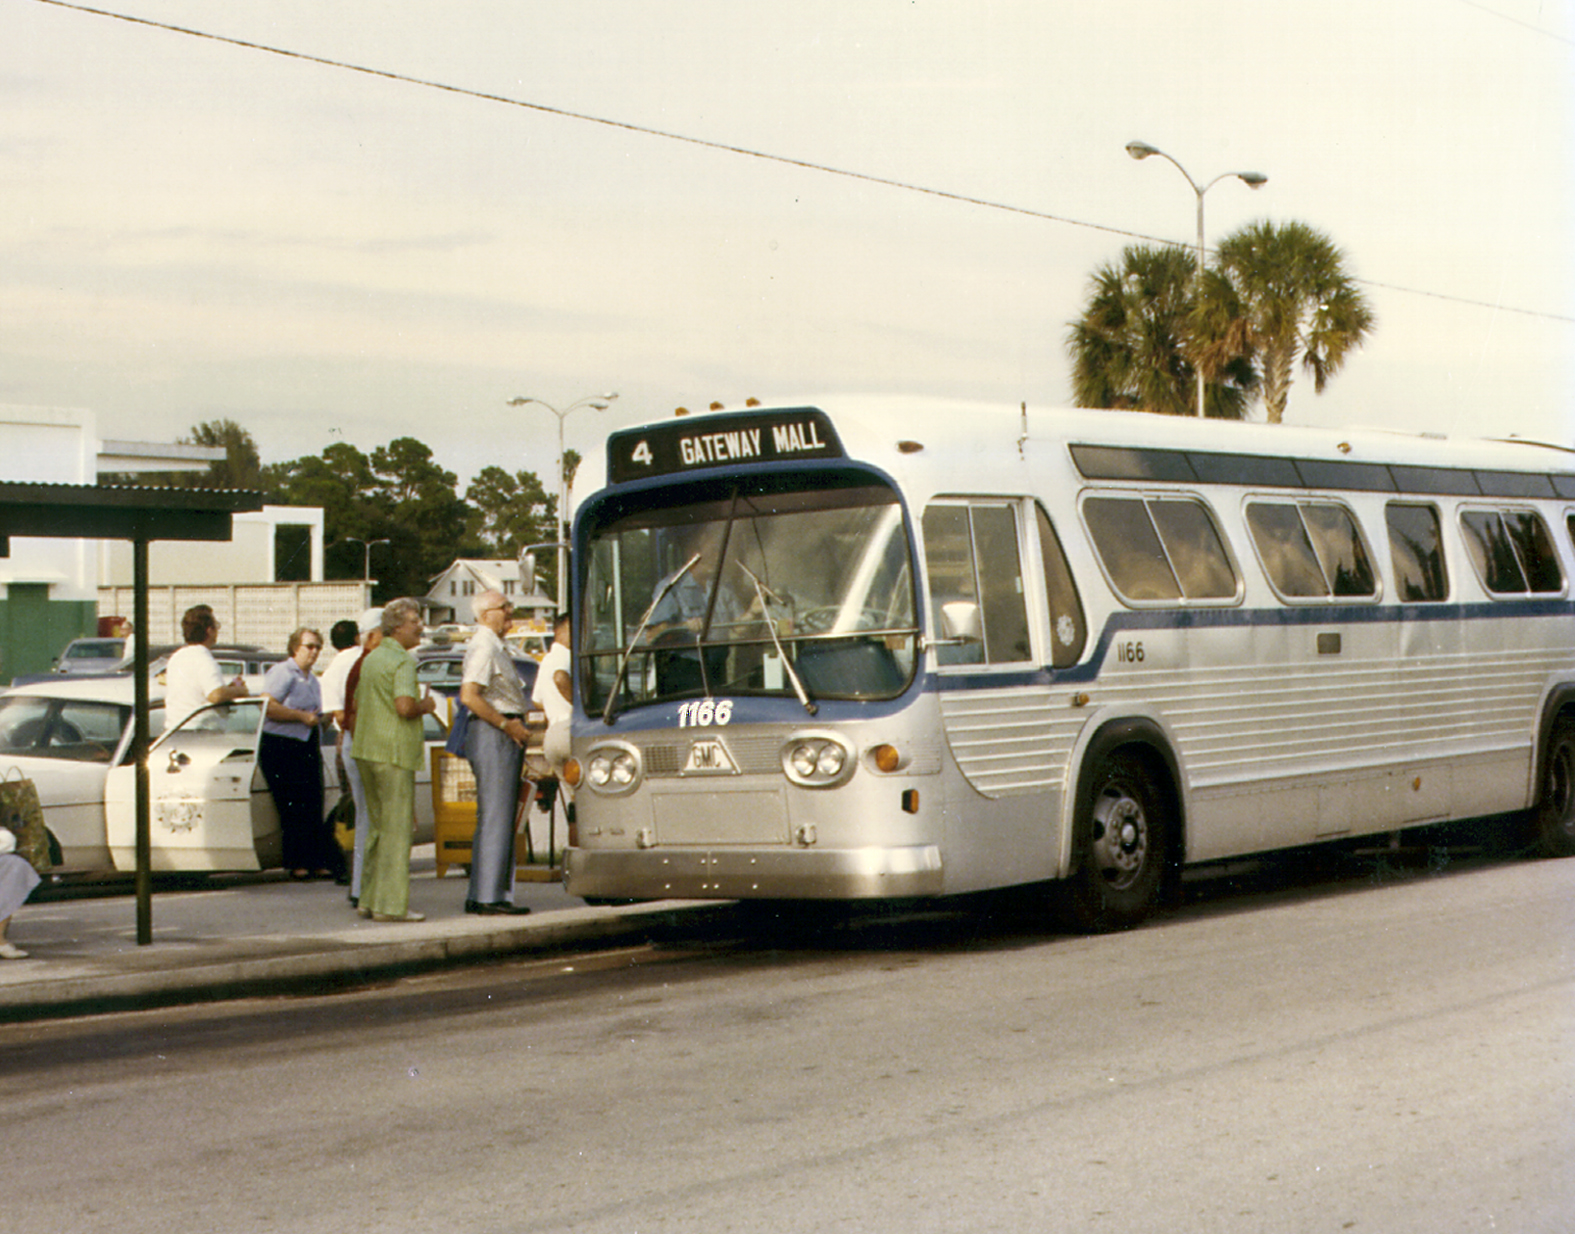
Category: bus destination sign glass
[776,436]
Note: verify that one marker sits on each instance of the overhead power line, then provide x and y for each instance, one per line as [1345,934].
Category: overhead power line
[706,143]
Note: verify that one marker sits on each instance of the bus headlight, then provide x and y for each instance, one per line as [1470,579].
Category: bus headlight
[817,760]
[612,769]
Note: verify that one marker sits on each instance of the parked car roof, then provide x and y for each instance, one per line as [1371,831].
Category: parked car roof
[91,655]
[440,669]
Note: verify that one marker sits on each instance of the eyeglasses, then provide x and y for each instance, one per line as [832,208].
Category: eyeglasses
[312,646]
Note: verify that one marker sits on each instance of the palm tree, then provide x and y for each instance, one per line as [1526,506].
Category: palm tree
[1283,292]
[1134,346]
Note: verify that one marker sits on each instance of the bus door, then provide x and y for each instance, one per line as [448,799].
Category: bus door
[996,619]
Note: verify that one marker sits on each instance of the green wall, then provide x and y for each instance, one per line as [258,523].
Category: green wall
[35,629]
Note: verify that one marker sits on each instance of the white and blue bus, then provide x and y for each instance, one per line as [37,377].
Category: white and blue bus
[900,649]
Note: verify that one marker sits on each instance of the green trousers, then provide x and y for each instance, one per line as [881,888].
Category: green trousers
[391,816]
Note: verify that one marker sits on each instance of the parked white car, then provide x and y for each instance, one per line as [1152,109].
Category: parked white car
[211,809]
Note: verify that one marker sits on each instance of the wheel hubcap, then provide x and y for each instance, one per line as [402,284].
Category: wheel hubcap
[1120,837]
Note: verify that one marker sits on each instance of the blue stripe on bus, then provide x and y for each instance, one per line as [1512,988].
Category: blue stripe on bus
[1241,618]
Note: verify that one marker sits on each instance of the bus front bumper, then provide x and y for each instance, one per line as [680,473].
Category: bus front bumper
[732,874]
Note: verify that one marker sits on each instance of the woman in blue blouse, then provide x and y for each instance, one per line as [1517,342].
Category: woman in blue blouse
[291,757]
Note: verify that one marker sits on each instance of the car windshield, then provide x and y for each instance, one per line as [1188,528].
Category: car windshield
[80,730]
[776,593]
[95,649]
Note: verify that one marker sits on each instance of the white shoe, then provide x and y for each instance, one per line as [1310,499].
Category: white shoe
[10,951]
[393,917]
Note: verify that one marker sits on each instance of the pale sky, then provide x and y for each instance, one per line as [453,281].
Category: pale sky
[195,230]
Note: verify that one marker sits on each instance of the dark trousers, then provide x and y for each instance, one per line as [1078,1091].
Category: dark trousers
[294,772]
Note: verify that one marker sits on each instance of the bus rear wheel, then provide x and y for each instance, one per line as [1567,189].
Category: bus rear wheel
[1125,835]
[1555,817]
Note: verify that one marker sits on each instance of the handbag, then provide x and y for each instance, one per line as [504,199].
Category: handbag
[22,814]
[455,744]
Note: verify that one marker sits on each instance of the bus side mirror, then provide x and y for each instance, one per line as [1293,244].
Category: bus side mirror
[960,622]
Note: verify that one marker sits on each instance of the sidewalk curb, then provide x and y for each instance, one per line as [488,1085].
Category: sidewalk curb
[323,963]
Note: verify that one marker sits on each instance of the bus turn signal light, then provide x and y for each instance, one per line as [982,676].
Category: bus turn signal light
[886,758]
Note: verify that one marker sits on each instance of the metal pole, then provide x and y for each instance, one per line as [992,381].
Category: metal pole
[1198,284]
[1252,179]
[139,740]
[563,552]
[596,403]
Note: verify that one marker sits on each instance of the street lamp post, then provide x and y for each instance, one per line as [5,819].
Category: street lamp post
[366,571]
[597,402]
[1141,150]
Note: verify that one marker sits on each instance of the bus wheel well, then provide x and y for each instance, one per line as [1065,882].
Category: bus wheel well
[1553,815]
[1127,831]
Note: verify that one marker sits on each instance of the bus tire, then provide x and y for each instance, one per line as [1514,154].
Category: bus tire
[1125,836]
[1554,822]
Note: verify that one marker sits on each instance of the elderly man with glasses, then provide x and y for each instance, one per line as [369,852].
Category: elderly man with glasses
[490,687]
[291,757]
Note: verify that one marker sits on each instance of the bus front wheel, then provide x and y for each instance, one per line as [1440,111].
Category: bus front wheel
[1555,817]
[1124,836]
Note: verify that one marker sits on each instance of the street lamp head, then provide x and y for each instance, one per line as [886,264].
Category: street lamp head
[597,402]
[1140,149]
[1253,179]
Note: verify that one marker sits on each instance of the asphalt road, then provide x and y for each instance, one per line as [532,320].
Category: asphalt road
[1389,1046]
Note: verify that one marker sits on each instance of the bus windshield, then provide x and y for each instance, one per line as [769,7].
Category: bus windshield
[781,593]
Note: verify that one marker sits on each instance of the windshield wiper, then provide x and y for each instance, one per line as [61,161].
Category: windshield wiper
[671,581]
[761,594]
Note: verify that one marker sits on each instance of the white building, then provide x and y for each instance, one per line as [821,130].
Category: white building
[450,597]
[49,587]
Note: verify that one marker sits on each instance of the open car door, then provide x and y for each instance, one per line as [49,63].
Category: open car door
[210,807]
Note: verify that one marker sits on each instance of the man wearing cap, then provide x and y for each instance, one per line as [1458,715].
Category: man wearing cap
[353,639]
[495,746]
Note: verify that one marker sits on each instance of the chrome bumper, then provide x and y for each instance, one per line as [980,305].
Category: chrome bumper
[723,874]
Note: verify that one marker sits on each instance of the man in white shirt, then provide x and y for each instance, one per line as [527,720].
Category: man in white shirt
[192,678]
[554,693]
[490,687]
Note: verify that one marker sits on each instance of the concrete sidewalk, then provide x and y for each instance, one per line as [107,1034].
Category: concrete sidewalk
[240,936]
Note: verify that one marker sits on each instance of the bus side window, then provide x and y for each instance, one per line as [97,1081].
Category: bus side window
[976,583]
[1512,551]
[1285,549]
[1538,557]
[1068,628]
[1490,553]
[1337,538]
[1416,550]
[1129,547]
[1311,550]
[1196,551]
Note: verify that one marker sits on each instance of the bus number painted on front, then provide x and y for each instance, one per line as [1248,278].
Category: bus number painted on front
[1129,653]
[704,712]
[642,454]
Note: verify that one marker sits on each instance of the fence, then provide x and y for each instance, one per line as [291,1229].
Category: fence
[261,613]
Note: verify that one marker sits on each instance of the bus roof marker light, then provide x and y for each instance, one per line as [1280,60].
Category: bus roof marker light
[909,447]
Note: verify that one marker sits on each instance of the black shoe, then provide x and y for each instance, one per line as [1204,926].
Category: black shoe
[501,908]
[355,901]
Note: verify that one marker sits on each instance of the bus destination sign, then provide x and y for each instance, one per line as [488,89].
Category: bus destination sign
[776,436]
